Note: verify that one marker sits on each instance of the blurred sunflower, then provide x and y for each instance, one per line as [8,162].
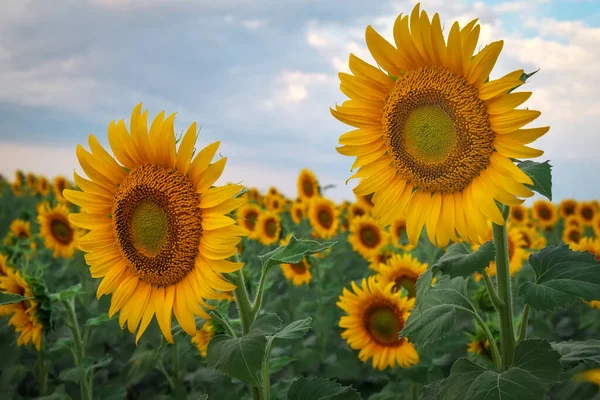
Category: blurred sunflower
[532,238]
[366,200]
[24,314]
[596,225]
[518,214]
[17,188]
[19,176]
[573,221]
[380,258]
[247,215]
[298,273]
[308,186]
[516,253]
[591,375]
[323,217]
[275,203]
[545,213]
[297,212]
[366,237]
[203,336]
[159,234]
[43,186]
[567,207]
[58,233]
[587,244]
[375,316]
[273,191]
[31,181]
[586,211]
[572,235]
[357,209]
[20,229]
[435,136]
[59,184]
[399,235]
[268,228]
[403,271]
[7,309]
[479,343]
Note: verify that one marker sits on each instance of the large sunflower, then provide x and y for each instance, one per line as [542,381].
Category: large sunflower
[366,237]
[298,273]
[24,314]
[545,213]
[403,271]
[158,235]
[323,217]
[375,316]
[268,228]
[434,138]
[59,234]
[247,215]
[308,186]
[59,184]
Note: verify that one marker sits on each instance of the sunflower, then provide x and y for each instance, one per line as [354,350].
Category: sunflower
[596,225]
[398,234]
[17,188]
[20,229]
[203,336]
[31,181]
[43,186]
[532,239]
[435,139]
[59,234]
[479,346]
[516,253]
[586,211]
[403,271]
[518,214]
[587,244]
[20,176]
[308,186]
[59,184]
[298,273]
[158,235]
[375,316]
[366,237]
[545,213]
[254,195]
[591,375]
[24,314]
[323,217]
[7,309]
[567,207]
[247,215]
[380,258]
[574,221]
[272,191]
[357,209]
[572,235]
[298,211]
[268,228]
[275,203]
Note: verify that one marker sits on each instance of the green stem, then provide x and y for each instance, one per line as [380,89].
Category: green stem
[43,369]
[491,340]
[160,366]
[78,344]
[507,333]
[496,302]
[259,294]
[523,329]
[265,372]
[414,390]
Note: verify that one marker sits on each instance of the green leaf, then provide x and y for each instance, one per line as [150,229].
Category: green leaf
[59,393]
[11,298]
[574,353]
[563,277]
[241,358]
[438,312]
[295,330]
[536,367]
[67,293]
[423,285]
[320,389]
[459,261]
[431,391]
[73,374]
[99,320]
[292,252]
[540,174]
[278,363]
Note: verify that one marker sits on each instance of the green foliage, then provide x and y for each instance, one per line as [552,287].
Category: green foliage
[540,174]
[535,369]
[459,261]
[575,353]
[563,277]
[320,389]
[292,252]
[10,298]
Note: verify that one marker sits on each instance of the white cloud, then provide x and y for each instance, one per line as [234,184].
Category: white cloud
[253,24]
[294,86]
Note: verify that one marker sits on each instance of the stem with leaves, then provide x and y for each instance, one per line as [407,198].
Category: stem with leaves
[78,353]
[505,312]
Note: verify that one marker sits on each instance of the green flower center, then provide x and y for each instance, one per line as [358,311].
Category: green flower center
[383,324]
[429,133]
[149,227]
[407,283]
[61,231]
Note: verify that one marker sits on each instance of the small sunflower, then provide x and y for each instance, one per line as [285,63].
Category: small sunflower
[17,188]
[298,211]
[20,229]
[574,221]
[159,234]
[203,336]
[6,309]
[399,235]
[518,214]
[59,184]
[43,186]
[375,316]
[587,244]
[591,375]
[366,237]
[275,203]
[567,207]
[273,191]
[308,186]
[572,235]
[435,137]
[403,271]
[59,234]
[479,346]
[323,217]
[268,228]
[298,273]
[380,258]
[31,181]
[586,211]
[545,213]
[357,209]
[532,238]
[247,215]
[24,314]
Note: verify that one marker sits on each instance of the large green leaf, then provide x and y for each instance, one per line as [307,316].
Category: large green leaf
[540,174]
[431,391]
[574,353]
[563,277]
[292,252]
[295,330]
[536,367]
[459,261]
[320,389]
[11,298]
[438,312]
[241,358]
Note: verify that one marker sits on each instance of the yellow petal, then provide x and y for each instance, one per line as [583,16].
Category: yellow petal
[210,175]
[202,160]
[482,64]
[186,150]
[384,53]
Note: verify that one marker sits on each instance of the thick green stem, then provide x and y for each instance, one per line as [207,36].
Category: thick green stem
[507,333]
[523,329]
[78,345]
[491,340]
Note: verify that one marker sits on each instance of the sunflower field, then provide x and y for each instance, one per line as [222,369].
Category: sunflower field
[142,278]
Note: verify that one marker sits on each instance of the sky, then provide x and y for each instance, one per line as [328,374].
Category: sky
[261,75]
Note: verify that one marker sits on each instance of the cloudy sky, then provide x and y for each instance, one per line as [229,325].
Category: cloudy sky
[260,75]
